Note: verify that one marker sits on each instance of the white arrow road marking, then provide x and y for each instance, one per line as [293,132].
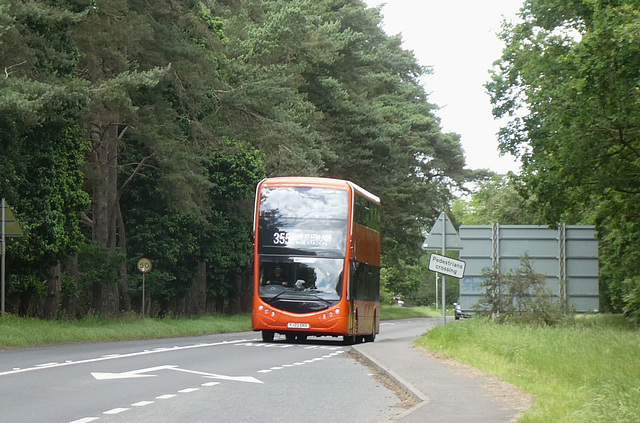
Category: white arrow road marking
[129,375]
[140,373]
[249,379]
[116,356]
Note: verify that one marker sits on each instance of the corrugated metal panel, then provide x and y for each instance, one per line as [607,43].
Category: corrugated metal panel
[569,253]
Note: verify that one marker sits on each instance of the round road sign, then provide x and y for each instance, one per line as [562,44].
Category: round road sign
[144,265]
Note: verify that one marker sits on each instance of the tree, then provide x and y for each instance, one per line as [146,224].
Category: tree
[269,43]
[496,200]
[197,257]
[42,146]
[568,81]
[151,70]
[167,114]
[349,105]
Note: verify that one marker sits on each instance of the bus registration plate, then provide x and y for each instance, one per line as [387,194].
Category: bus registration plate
[296,325]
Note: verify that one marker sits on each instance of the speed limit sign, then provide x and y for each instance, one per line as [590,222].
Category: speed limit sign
[144,265]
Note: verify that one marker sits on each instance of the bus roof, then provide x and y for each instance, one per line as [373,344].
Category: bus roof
[318,181]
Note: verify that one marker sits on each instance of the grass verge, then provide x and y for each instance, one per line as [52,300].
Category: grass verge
[388,312]
[586,372]
[17,332]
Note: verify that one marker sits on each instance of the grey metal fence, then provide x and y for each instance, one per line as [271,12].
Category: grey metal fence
[567,256]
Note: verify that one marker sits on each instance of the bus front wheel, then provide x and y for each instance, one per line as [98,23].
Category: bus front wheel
[349,339]
[267,335]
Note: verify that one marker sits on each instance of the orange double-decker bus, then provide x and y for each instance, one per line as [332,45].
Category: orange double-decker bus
[316,259]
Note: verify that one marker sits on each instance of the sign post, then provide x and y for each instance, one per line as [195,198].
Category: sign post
[9,228]
[144,266]
[444,233]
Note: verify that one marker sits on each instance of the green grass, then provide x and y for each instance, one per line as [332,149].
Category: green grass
[588,372]
[16,332]
[388,312]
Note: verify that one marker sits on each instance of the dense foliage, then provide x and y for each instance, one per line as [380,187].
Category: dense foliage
[131,129]
[495,199]
[568,81]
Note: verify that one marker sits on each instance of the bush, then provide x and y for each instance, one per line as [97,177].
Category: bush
[631,298]
[520,296]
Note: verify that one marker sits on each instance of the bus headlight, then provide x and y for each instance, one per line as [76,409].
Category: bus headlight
[331,314]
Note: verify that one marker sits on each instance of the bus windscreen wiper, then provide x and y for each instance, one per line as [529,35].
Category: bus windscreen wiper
[324,300]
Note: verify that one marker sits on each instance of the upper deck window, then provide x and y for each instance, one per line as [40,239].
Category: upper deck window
[304,203]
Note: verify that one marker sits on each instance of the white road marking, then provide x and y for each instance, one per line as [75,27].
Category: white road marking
[264,345]
[216,376]
[140,373]
[116,411]
[142,403]
[210,384]
[118,356]
[312,360]
[130,374]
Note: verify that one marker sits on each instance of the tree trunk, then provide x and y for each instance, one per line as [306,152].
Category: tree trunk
[69,302]
[54,288]
[104,160]
[197,298]
[235,302]
[123,273]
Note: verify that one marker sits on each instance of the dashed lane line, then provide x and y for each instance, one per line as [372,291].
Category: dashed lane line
[115,411]
[301,363]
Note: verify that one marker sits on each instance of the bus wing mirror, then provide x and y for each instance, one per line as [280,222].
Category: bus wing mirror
[354,264]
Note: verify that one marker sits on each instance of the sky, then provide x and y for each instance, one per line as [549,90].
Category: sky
[457,39]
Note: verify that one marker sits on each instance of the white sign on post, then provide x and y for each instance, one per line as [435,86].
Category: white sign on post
[443,236]
[447,266]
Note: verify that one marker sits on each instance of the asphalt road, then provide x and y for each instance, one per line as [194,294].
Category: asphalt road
[218,378]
